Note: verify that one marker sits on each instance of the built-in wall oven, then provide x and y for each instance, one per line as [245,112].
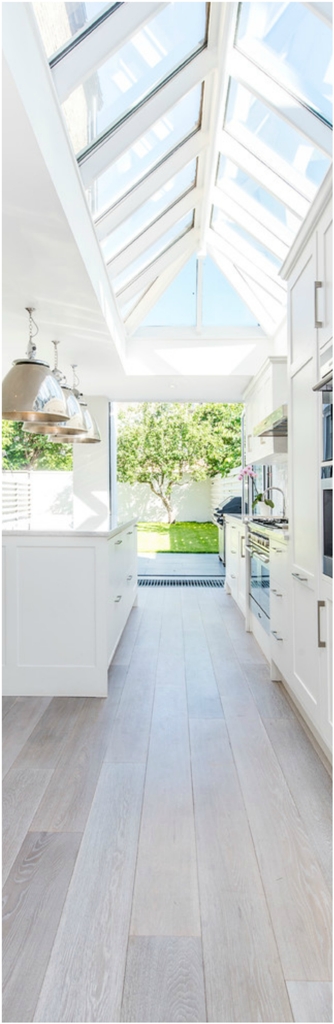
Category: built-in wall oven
[325,385]
[259,575]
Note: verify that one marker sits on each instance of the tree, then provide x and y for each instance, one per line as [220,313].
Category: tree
[22,450]
[159,442]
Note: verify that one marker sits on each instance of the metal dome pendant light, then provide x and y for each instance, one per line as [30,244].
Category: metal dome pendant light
[29,391]
[75,423]
[91,433]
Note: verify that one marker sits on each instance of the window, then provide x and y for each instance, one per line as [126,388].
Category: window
[147,152]
[130,75]
[177,306]
[61,22]
[220,221]
[167,195]
[147,257]
[221,304]
[255,198]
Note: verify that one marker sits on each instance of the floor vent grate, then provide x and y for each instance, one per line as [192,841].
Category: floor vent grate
[181,581]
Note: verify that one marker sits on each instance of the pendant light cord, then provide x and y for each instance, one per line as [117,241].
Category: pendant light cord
[32,334]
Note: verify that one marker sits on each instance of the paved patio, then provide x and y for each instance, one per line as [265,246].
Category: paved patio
[166,564]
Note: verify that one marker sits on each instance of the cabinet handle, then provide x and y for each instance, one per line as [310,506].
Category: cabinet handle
[118,598]
[242,546]
[233,527]
[273,591]
[233,577]
[233,551]
[278,638]
[302,579]
[278,551]
[129,533]
[317,285]
[320,604]
[118,542]
[129,578]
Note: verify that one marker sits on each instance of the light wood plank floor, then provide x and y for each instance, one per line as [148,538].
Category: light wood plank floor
[167,851]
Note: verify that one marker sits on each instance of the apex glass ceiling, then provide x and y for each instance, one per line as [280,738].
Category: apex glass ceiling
[293,45]
[139,66]
[251,225]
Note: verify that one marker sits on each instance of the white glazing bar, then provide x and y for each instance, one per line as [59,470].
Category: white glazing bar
[90,52]
[187,243]
[154,293]
[151,184]
[249,264]
[153,233]
[268,324]
[163,99]
[264,174]
[199,293]
[229,205]
[280,101]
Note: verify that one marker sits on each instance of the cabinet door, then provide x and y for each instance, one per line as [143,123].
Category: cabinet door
[324,296]
[231,557]
[304,470]
[304,678]
[325,648]
[241,574]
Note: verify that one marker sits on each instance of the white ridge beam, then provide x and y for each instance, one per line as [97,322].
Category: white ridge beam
[187,242]
[280,101]
[246,220]
[90,52]
[156,106]
[155,292]
[268,324]
[238,257]
[153,233]
[223,19]
[265,174]
[151,184]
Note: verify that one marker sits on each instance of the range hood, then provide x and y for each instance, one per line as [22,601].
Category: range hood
[275,425]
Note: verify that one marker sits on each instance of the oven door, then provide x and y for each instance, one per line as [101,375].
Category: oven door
[260,582]
[327,520]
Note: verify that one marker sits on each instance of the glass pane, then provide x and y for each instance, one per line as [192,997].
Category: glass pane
[146,153]
[294,46]
[230,173]
[220,221]
[177,306]
[153,252]
[59,22]
[251,121]
[167,195]
[222,306]
[134,71]
[127,307]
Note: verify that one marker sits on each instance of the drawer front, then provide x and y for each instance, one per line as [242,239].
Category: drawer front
[279,563]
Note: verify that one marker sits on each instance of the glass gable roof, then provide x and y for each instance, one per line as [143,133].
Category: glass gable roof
[293,46]
[168,132]
[167,195]
[123,81]
[143,118]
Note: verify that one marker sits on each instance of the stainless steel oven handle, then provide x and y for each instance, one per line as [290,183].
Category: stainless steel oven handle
[320,604]
[255,554]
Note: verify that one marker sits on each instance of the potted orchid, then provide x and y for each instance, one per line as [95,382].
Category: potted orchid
[249,472]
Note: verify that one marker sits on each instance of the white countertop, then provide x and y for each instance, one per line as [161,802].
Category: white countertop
[33,530]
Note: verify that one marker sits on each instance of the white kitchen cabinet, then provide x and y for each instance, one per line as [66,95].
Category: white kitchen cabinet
[267,391]
[235,556]
[324,288]
[308,670]
[279,618]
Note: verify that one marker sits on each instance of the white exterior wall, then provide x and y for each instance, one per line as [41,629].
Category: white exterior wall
[191,502]
[224,487]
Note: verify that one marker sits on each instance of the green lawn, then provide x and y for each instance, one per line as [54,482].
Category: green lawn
[185,538]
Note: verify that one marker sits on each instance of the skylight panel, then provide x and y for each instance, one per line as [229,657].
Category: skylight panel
[146,258]
[259,201]
[221,304]
[167,133]
[177,306]
[61,22]
[129,76]
[166,196]
[220,222]
[294,46]
[269,136]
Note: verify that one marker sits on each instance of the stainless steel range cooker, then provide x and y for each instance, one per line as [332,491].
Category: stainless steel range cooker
[258,548]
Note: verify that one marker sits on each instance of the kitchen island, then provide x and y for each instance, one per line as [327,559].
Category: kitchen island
[67,595]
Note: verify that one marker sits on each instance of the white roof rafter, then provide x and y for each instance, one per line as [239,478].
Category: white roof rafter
[280,186]
[229,205]
[187,243]
[268,324]
[155,292]
[237,256]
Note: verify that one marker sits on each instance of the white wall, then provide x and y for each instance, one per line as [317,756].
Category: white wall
[91,469]
[191,501]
